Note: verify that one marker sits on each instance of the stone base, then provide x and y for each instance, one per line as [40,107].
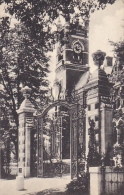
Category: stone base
[95,180]
[20,183]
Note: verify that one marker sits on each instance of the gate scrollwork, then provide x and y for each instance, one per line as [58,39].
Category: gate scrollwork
[77,126]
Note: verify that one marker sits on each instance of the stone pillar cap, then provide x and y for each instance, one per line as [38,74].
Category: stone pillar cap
[26,105]
[26,91]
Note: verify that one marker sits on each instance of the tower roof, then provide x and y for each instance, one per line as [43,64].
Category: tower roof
[83,80]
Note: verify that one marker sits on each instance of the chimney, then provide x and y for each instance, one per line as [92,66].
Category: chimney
[108,61]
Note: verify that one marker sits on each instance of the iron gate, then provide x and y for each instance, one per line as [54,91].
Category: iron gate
[75,141]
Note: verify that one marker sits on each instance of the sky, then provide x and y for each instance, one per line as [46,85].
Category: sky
[104,25]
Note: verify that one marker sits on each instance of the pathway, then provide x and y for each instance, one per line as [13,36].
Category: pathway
[33,185]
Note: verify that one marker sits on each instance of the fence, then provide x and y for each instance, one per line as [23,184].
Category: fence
[114,180]
[9,170]
[106,180]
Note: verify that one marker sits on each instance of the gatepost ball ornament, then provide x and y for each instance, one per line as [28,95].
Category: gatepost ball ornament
[26,92]
[98,57]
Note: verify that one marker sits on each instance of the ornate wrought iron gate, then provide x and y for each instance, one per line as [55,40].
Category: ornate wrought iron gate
[75,140]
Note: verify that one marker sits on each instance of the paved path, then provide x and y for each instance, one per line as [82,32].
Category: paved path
[33,185]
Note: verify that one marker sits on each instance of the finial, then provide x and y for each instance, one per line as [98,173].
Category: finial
[26,92]
[98,57]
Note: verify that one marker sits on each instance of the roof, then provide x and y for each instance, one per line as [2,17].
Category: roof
[83,80]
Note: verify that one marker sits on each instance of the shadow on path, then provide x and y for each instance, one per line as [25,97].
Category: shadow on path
[57,192]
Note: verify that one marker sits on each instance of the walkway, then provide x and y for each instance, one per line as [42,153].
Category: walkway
[33,185]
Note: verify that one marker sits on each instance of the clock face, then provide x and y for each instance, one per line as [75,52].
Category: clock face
[77,48]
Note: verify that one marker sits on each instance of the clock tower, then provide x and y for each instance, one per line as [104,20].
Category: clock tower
[72,55]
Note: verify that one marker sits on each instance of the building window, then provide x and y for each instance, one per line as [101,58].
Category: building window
[96,105]
[117,103]
[96,118]
[89,107]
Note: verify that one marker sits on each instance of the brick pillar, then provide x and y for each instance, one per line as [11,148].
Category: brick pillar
[106,126]
[25,113]
[99,106]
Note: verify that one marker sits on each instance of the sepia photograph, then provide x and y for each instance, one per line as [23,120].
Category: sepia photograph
[61,97]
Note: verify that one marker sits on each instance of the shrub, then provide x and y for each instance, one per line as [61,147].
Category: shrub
[79,186]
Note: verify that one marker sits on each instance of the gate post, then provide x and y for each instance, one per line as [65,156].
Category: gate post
[74,141]
[97,180]
[40,147]
[26,120]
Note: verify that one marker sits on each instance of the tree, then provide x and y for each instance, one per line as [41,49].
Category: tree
[22,63]
[118,72]
[119,51]
[39,16]
[117,93]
